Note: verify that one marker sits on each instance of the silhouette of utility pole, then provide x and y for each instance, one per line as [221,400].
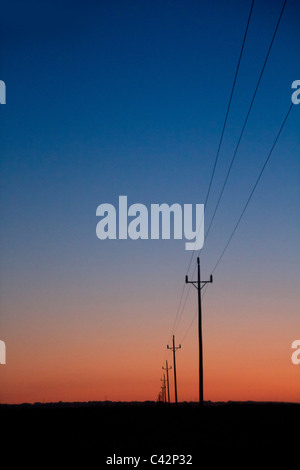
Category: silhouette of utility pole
[174,349]
[199,284]
[168,385]
[163,389]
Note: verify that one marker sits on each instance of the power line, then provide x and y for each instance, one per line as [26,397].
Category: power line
[182,302]
[246,120]
[194,317]
[179,313]
[178,316]
[253,189]
[226,117]
[229,104]
[242,213]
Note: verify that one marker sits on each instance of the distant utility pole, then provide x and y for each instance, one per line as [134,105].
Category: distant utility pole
[199,284]
[174,349]
[163,389]
[168,385]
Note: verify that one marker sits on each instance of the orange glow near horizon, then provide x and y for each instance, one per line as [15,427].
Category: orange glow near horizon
[86,363]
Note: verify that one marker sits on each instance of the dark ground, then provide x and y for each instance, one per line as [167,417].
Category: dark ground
[223,432]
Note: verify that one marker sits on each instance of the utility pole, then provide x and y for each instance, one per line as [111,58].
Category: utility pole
[163,389]
[168,385]
[174,349]
[199,284]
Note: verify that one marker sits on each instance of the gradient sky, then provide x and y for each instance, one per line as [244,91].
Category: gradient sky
[129,98]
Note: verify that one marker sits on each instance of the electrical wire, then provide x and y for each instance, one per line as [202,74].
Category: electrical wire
[245,122]
[244,209]
[179,315]
[253,190]
[179,312]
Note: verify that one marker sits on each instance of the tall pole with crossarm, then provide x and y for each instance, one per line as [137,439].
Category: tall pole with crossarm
[199,284]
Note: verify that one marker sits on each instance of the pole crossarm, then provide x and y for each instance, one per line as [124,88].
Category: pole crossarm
[202,283]
[174,349]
